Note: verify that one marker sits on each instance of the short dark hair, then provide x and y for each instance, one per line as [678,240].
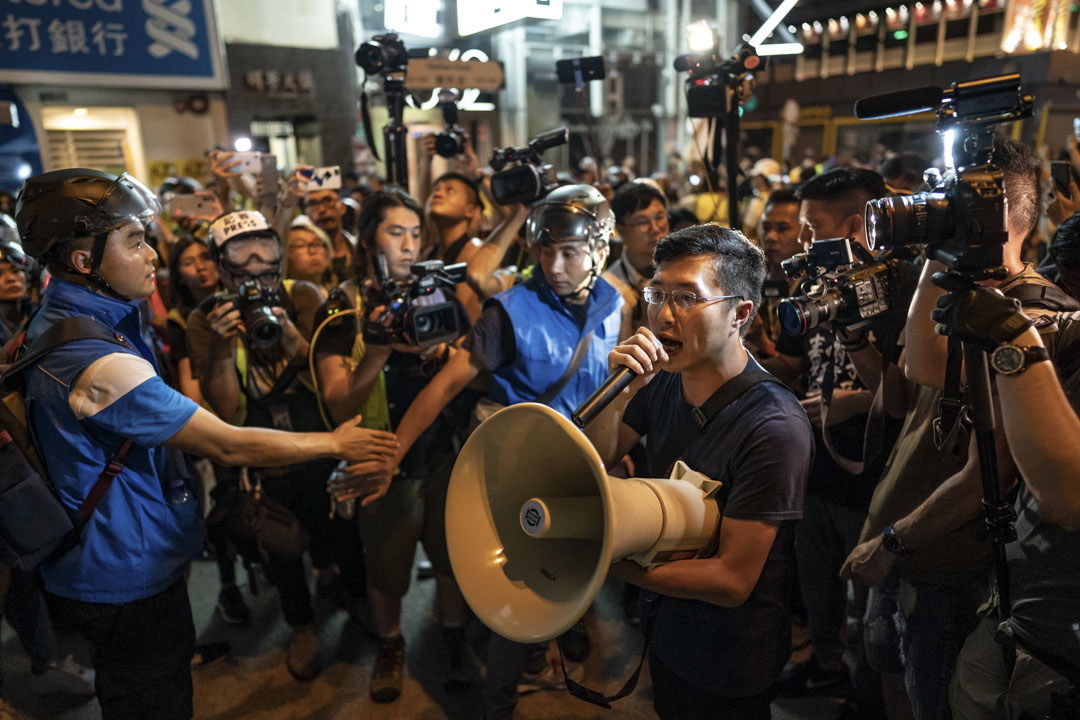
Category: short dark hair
[738,264]
[846,190]
[474,188]
[375,206]
[181,293]
[907,166]
[1022,169]
[634,197]
[1065,245]
[781,196]
[679,217]
[57,258]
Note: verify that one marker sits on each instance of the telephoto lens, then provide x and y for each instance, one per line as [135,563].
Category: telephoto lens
[799,315]
[894,222]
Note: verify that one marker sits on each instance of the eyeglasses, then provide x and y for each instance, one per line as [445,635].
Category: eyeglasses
[660,221]
[683,299]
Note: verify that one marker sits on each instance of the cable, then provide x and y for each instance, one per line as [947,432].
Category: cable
[311,360]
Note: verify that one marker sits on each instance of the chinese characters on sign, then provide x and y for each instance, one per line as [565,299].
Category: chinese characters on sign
[275,82]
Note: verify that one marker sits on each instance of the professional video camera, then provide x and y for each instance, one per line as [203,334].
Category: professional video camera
[842,283]
[451,141]
[408,322]
[529,179]
[962,220]
[254,302]
[711,76]
[384,54]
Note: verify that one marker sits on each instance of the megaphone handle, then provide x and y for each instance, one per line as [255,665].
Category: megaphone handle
[594,405]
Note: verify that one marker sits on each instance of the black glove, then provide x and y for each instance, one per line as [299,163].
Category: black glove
[980,315]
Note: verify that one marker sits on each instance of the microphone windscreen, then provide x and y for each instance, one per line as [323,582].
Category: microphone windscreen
[905,102]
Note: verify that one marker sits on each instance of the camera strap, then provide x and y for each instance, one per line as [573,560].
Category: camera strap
[575,362]
[855,467]
[950,427]
[365,115]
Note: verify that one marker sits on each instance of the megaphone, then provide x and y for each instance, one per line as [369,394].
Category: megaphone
[533,521]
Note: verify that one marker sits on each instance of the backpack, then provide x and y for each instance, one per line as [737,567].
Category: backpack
[35,525]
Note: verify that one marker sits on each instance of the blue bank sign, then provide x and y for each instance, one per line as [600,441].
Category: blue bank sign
[145,43]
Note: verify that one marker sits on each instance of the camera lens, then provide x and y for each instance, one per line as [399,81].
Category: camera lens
[520,184]
[369,57]
[263,329]
[879,223]
[799,315]
[448,145]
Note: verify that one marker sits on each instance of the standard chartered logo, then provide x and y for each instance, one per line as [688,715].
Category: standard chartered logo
[170,28]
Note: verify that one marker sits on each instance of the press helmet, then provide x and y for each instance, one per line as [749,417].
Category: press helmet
[572,213]
[239,224]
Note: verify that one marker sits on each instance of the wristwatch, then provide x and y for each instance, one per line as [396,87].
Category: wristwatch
[1009,359]
[892,541]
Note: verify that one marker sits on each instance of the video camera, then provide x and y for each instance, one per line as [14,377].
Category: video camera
[384,54]
[842,283]
[254,302]
[529,179]
[451,141]
[711,76]
[408,322]
[962,220]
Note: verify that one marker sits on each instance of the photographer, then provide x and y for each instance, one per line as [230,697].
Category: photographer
[527,339]
[363,375]
[248,352]
[327,210]
[15,268]
[721,629]
[838,489]
[455,214]
[122,587]
[1038,403]
[781,237]
[919,543]
[1063,260]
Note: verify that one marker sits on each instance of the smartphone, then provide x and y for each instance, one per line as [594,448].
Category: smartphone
[1076,128]
[1061,175]
[325,178]
[269,171]
[200,206]
[250,162]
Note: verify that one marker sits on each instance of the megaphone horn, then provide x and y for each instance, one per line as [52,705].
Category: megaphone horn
[533,521]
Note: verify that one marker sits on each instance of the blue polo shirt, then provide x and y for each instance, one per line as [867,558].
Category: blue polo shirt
[83,400]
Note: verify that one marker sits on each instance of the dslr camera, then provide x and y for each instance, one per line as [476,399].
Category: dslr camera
[384,54]
[407,319]
[961,221]
[842,283]
[451,141]
[254,302]
[710,77]
[521,175]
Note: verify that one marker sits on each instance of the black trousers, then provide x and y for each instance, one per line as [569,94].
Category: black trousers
[142,652]
[676,699]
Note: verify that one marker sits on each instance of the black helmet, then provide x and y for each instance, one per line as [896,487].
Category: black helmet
[58,206]
[12,252]
[571,213]
[178,186]
[9,232]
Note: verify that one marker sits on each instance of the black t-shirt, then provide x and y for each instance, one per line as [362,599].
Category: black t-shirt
[760,447]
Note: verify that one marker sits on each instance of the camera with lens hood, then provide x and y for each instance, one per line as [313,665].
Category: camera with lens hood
[451,141]
[384,54]
[961,221]
[409,318]
[522,176]
[841,283]
[254,301]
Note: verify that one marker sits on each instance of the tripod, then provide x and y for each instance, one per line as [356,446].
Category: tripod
[395,134]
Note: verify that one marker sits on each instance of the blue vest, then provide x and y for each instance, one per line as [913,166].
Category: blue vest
[546,333]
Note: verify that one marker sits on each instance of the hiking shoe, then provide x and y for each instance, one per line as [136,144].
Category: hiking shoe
[389,665]
[813,677]
[68,676]
[302,657]
[460,678]
[232,608]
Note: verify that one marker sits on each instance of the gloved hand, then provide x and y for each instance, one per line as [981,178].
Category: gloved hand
[979,315]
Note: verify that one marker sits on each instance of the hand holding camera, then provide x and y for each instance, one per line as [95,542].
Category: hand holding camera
[976,314]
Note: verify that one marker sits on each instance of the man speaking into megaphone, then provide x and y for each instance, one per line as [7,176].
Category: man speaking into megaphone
[720,628]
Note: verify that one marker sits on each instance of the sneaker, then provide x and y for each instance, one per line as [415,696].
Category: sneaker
[302,657]
[389,665]
[460,678]
[232,608]
[575,643]
[812,677]
[68,676]
[550,677]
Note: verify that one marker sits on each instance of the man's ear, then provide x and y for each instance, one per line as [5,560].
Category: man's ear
[743,311]
[81,261]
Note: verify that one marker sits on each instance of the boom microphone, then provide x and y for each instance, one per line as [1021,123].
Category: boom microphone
[905,102]
[594,405]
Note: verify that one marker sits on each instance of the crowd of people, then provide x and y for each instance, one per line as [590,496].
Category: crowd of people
[266,351]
